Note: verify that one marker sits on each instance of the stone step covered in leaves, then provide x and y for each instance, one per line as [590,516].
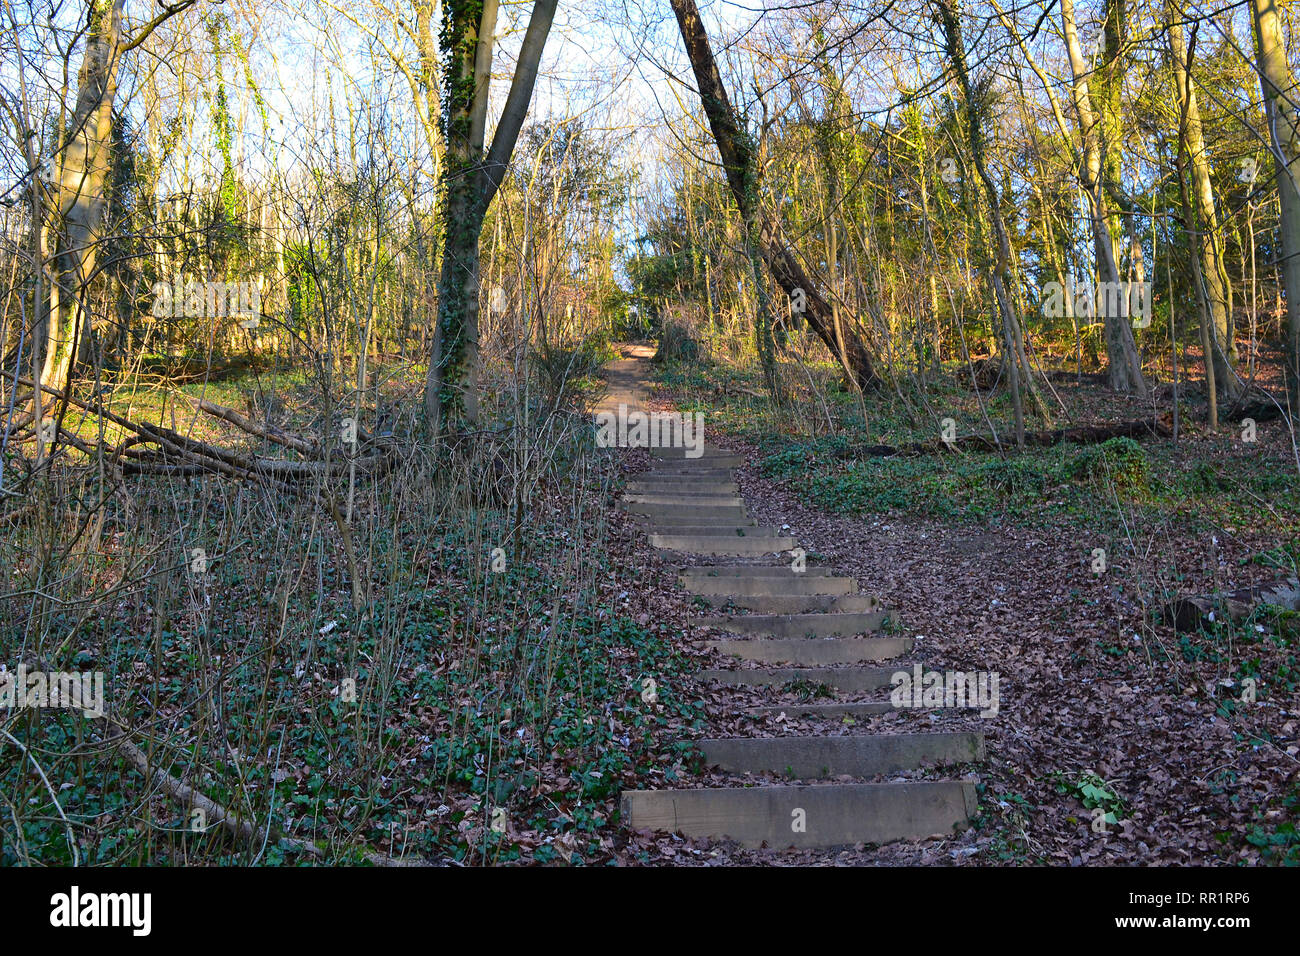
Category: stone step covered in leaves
[794,603]
[808,758]
[811,816]
[797,625]
[815,651]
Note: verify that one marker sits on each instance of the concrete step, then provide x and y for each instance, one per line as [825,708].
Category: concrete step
[767,585]
[797,625]
[683,494]
[671,519]
[728,460]
[750,571]
[848,680]
[704,461]
[720,544]
[820,757]
[686,474]
[666,525]
[805,816]
[693,500]
[729,529]
[815,651]
[870,708]
[797,603]
[694,511]
[675,451]
[661,485]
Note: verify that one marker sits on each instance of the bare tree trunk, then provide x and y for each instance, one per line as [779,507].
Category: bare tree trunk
[82,174]
[84,161]
[1124,365]
[738,158]
[1282,107]
[1213,284]
[999,267]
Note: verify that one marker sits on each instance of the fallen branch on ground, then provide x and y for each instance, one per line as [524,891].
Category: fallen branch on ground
[267,431]
[157,450]
[1188,613]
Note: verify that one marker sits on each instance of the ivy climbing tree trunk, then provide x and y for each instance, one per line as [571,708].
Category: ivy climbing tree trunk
[739,160]
[471,179]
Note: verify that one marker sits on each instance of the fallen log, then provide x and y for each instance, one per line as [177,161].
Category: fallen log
[1189,612]
[147,463]
[268,431]
[1256,405]
[987,372]
[167,452]
[1159,427]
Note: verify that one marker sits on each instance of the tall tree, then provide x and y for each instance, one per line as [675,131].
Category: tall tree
[1282,109]
[1214,289]
[1095,125]
[82,161]
[471,178]
[998,262]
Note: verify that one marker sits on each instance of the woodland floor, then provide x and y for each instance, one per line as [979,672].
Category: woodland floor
[986,561]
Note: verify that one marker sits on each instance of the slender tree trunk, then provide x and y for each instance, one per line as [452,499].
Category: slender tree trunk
[1282,109]
[1124,365]
[82,160]
[82,174]
[999,268]
[1214,285]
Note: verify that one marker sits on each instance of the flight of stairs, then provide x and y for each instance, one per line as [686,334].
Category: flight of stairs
[807,625]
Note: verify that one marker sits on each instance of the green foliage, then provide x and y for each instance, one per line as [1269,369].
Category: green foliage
[806,690]
[1120,462]
[226,231]
[835,474]
[1015,813]
[1204,478]
[1279,842]
[545,721]
[1094,793]
[1015,477]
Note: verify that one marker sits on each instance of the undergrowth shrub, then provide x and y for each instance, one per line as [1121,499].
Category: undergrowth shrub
[1120,461]
[569,373]
[677,343]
